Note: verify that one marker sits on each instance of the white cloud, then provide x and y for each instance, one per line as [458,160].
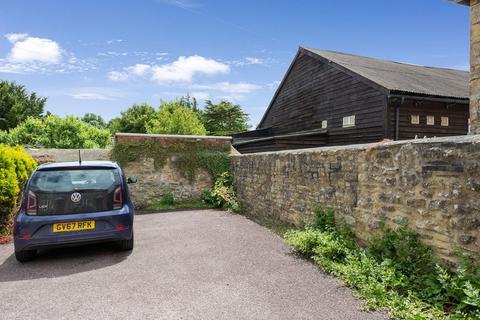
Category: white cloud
[115,41]
[184,4]
[139,69]
[14,37]
[200,95]
[33,49]
[227,87]
[117,76]
[248,61]
[113,54]
[96,93]
[185,68]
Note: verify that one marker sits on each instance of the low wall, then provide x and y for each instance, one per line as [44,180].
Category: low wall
[432,185]
[157,161]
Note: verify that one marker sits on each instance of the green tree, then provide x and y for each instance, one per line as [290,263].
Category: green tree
[173,118]
[55,132]
[94,120]
[224,118]
[133,120]
[16,105]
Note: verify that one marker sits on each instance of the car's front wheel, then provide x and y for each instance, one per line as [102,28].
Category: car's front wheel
[25,255]
[126,245]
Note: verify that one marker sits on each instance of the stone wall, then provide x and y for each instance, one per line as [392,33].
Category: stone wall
[475,66]
[153,182]
[432,185]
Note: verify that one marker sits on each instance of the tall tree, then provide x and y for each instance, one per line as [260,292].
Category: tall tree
[174,118]
[224,118]
[133,120]
[94,120]
[16,105]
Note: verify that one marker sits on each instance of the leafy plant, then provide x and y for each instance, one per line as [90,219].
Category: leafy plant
[223,195]
[15,167]
[168,199]
[396,272]
[56,132]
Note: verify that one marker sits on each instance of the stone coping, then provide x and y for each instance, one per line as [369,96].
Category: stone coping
[386,143]
[175,136]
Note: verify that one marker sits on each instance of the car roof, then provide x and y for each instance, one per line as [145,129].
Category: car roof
[78,165]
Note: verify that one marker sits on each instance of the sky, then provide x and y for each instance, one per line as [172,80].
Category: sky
[102,56]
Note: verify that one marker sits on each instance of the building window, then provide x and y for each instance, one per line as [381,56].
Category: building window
[349,121]
[445,122]
[324,124]
[430,120]
[415,119]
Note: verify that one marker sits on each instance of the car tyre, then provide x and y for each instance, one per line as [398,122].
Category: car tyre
[126,245]
[25,255]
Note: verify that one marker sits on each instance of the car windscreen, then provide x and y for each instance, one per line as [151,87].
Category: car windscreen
[74,191]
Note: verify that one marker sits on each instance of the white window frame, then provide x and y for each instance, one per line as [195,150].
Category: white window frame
[349,121]
[415,119]
[430,123]
[324,124]
[445,121]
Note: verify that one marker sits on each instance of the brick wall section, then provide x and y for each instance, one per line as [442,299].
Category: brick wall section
[433,185]
[61,155]
[475,66]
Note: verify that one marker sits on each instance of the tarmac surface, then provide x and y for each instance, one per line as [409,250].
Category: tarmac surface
[201,264]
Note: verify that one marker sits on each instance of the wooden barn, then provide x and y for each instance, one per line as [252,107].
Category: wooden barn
[330,98]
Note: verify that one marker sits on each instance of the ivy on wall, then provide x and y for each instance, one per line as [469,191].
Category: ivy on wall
[188,157]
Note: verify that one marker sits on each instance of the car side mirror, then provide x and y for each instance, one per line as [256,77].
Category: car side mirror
[132,180]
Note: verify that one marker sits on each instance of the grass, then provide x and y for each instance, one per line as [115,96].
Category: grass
[188,204]
[396,273]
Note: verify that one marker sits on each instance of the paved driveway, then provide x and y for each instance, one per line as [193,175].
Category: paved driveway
[186,265]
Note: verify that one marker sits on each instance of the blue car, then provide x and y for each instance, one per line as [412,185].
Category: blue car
[74,203]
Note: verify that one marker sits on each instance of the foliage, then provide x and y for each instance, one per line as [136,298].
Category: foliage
[174,118]
[188,157]
[396,273]
[133,120]
[15,167]
[94,120]
[167,199]
[223,195]
[187,204]
[55,132]
[224,118]
[16,105]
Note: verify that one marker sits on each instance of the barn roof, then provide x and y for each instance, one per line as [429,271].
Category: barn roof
[399,77]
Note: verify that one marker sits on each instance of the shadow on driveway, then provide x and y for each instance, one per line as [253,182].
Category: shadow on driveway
[61,262]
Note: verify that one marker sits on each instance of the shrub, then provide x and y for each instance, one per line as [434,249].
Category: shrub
[15,168]
[223,195]
[396,272]
[168,199]
[55,132]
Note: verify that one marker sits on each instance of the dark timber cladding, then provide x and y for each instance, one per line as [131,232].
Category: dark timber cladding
[322,88]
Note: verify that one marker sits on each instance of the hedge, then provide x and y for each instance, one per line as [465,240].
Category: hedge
[15,167]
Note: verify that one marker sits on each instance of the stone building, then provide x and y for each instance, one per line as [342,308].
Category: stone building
[474,62]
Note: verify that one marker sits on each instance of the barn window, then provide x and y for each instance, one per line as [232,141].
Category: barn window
[415,119]
[324,124]
[430,120]
[349,121]
[445,122]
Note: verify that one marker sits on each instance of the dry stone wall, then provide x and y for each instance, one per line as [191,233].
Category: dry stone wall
[432,185]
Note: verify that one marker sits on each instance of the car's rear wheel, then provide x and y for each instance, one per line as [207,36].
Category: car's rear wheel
[25,255]
[126,245]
